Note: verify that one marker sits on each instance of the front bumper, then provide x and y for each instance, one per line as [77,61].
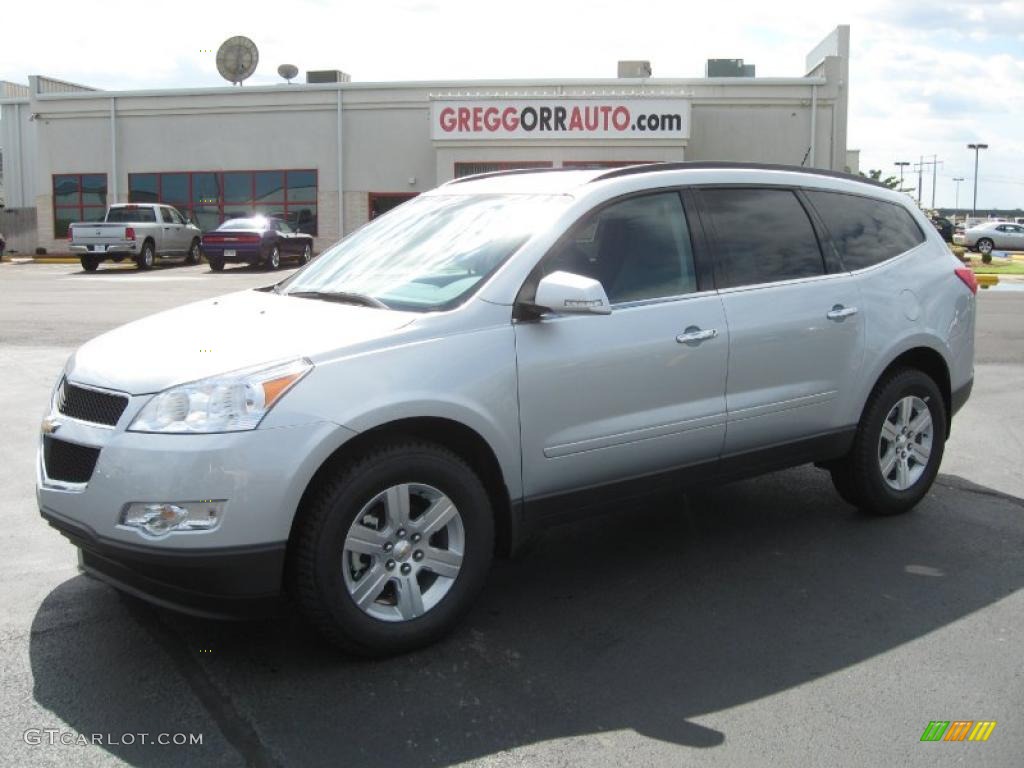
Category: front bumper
[232,569]
[229,583]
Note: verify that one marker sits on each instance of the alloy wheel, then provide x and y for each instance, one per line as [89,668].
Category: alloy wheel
[905,443]
[403,552]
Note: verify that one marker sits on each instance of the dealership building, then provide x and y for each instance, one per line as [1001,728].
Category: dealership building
[329,156]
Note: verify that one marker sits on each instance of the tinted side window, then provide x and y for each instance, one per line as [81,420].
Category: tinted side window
[166,213]
[638,249]
[865,231]
[763,235]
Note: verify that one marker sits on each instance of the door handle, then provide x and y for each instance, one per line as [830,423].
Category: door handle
[838,312]
[694,335]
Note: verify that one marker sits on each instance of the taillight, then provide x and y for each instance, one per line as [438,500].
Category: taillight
[250,238]
[967,275]
[70,236]
[129,233]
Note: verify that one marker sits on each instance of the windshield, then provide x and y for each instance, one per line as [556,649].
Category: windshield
[429,253]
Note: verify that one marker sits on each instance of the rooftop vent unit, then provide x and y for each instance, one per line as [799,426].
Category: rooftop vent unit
[327,76]
[728,68]
[634,69]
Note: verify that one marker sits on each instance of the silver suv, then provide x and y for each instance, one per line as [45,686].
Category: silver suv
[502,352]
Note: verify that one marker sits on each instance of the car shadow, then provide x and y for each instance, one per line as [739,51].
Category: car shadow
[644,620]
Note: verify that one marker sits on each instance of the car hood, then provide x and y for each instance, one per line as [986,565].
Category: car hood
[223,334]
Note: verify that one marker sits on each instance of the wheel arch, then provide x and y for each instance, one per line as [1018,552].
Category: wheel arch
[457,437]
[929,361]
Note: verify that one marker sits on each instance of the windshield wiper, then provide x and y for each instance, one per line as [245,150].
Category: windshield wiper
[343,297]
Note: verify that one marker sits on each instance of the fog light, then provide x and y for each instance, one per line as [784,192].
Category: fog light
[161,518]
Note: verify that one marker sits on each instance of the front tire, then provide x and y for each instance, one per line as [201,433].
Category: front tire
[898,447]
[195,254]
[307,254]
[390,551]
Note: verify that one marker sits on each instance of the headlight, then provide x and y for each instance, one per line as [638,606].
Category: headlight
[233,402]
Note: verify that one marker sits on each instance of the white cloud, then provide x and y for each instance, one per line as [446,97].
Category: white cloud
[926,77]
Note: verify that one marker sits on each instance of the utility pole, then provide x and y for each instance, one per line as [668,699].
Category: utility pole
[934,163]
[957,180]
[920,169]
[901,164]
[976,148]
[935,172]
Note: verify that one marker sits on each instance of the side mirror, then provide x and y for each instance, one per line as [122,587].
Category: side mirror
[565,293]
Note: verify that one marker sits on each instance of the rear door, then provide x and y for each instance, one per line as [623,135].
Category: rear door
[606,398]
[796,335]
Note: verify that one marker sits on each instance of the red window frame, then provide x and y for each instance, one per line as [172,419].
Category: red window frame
[80,207]
[500,165]
[189,208]
[373,197]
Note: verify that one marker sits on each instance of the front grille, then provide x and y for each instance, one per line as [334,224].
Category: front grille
[90,405]
[68,462]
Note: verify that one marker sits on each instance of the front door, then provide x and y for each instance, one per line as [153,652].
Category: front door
[795,332]
[612,397]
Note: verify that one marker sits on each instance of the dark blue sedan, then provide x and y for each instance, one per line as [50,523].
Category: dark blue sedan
[256,240]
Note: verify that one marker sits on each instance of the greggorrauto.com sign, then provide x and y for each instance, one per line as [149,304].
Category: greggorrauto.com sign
[561,119]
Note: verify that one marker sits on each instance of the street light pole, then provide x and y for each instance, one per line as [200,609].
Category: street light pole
[957,180]
[902,164]
[976,148]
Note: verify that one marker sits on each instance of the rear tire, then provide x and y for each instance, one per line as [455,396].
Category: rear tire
[216,264]
[89,263]
[307,254]
[147,257]
[898,447]
[325,571]
[985,248]
[274,258]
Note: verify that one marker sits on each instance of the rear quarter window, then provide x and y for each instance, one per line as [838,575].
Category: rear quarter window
[865,231]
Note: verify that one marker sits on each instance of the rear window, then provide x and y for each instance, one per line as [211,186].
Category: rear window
[244,224]
[763,236]
[865,231]
[130,215]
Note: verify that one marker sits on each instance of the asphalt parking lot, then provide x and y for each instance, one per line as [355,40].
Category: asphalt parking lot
[760,623]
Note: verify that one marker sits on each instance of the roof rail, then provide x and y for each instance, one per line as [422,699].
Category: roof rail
[509,172]
[631,170]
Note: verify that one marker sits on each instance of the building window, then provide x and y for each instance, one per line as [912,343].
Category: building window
[210,197]
[382,202]
[78,197]
[471,169]
[596,164]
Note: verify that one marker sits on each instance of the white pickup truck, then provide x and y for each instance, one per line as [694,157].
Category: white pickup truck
[143,232]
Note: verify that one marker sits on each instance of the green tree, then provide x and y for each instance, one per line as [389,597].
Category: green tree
[889,181]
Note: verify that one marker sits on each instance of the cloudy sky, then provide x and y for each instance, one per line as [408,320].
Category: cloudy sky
[926,77]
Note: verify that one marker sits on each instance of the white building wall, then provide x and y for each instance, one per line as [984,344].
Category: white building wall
[386,132]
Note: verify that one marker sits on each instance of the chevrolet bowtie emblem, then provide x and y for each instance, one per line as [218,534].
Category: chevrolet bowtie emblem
[50,425]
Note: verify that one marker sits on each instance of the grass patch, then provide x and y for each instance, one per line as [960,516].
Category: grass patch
[997,268]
